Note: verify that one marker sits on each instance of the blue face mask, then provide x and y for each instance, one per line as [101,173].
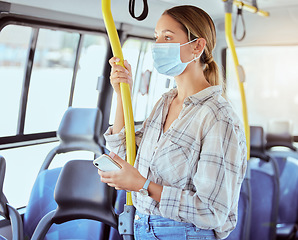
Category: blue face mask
[166,57]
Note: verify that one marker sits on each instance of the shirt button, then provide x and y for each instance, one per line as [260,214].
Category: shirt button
[137,217]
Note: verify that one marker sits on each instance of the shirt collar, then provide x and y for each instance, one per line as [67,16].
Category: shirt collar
[199,97]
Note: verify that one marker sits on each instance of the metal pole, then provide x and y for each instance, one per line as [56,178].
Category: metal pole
[238,68]
[127,216]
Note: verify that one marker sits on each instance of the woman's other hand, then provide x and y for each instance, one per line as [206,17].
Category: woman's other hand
[127,178]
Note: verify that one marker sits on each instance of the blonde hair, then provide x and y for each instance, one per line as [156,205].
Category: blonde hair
[198,24]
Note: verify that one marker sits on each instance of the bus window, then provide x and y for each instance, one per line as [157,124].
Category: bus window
[22,167]
[49,94]
[148,85]
[271,84]
[51,78]
[14,45]
[91,65]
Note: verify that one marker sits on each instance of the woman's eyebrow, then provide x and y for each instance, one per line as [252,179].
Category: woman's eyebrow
[165,31]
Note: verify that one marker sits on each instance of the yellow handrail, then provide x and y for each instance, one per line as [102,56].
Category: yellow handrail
[249,8]
[231,45]
[124,87]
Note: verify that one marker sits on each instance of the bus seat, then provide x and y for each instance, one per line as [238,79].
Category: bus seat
[6,210]
[41,200]
[265,195]
[79,194]
[288,205]
[241,232]
[257,143]
[287,222]
[79,130]
[264,188]
[279,135]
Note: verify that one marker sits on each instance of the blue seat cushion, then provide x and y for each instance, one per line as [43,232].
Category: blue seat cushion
[41,200]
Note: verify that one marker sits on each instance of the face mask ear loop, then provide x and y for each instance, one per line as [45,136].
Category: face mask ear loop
[188,42]
[196,57]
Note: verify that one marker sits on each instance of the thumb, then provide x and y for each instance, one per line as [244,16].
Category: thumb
[117,159]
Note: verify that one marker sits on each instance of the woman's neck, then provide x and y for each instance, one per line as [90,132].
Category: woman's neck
[190,84]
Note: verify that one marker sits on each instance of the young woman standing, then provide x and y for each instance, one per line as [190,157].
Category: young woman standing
[191,157]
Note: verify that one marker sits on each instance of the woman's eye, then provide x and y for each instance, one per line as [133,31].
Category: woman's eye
[167,38]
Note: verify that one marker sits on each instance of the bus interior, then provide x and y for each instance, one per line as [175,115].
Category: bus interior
[56,102]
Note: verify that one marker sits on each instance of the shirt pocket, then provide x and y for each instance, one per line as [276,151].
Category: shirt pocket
[174,162]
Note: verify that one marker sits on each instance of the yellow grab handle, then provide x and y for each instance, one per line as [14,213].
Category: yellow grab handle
[249,8]
[124,87]
[231,45]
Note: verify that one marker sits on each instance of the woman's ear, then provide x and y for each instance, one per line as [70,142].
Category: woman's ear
[199,45]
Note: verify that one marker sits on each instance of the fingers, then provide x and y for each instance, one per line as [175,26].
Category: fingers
[107,175]
[116,187]
[120,77]
[106,178]
[113,61]
[127,66]
[118,68]
[117,159]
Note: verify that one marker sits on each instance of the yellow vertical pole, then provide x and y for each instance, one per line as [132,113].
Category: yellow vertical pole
[231,46]
[124,87]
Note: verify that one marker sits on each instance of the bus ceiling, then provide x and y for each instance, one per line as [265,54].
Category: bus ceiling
[90,16]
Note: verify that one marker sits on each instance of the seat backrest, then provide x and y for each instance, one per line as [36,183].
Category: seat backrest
[79,130]
[257,139]
[79,195]
[264,188]
[242,230]
[265,197]
[279,134]
[257,143]
[41,200]
[288,204]
[8,211]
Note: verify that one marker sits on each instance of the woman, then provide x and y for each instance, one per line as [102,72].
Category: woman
[191,157]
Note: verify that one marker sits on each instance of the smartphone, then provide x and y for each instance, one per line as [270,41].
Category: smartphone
[106,163]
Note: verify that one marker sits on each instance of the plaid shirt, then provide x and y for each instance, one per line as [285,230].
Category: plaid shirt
[200,161]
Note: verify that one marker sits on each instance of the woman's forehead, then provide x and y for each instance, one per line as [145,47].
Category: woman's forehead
[167,24]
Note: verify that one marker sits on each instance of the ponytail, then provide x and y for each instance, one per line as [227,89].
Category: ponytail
[211,73]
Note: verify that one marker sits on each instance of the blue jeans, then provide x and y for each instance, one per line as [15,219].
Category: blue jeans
[148,227]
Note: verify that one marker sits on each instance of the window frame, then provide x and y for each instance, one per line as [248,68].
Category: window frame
[21,139]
